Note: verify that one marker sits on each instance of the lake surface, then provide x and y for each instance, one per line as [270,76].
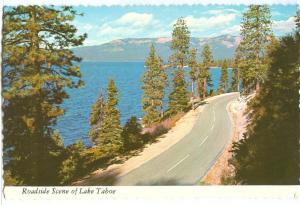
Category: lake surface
[74,124]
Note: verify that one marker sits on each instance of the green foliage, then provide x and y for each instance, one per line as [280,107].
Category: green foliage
[154,82]
[37,67]
[255,32]
[223,78]
[96,119]
[131,135]
[193,64]
[194,72]
[73,165]
[180,44]
[9,180]
[178,98]
[269,153]
[297,20]
[235,71]
[110,133]
[204,78]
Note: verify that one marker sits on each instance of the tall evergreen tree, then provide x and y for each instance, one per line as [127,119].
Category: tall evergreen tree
[178,98]
[207,61]
[154,82]
[96,119]
[194,68]
[224,77]
[255,32]
[269,153]
[235,71]
[180,44]
[110,133]
[38,65]
[297,20]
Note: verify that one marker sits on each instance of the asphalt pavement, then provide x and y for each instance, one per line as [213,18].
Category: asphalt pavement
[188,161]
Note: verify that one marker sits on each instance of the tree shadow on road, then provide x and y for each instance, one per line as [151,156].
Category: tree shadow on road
[163,182]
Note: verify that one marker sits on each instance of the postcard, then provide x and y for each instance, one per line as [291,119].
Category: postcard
[109,101]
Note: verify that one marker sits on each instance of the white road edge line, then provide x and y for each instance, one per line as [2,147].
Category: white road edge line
[203,141]
[178,163]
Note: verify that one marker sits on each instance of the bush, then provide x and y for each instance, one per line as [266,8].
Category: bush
[159,130]
[151,133]
[131,134]
[227,177]
[9,180]
[73,165]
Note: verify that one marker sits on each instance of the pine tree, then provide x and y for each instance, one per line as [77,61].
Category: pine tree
[194,72]
[255,32]
[297,20]
[110,133]
[207,61]
[180,44]
[223,78]
[154,82]
[178,98]
[235,71]
[38,65]
[96,119]
[132,134]
[269,153]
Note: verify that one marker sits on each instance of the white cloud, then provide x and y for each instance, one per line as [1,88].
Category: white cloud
[88,27]
[233,30]
[276,13]
[222,11]
[116,31]
[208,22]
[135,19]
[131,24]
[84,27]
[284,26]
[91,42]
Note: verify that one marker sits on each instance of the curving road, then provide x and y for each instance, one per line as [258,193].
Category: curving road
[186,162]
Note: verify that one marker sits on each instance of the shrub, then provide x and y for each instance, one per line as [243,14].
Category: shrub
[131,134]
[73,165]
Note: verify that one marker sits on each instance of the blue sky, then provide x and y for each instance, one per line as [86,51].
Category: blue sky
[103,24]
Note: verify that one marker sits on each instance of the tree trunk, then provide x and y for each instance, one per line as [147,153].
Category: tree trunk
[192,89]
[204,88]
[193,106]
[199,90]
[161,111]
[257,87]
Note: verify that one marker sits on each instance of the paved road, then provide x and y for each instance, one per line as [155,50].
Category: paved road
[186,162]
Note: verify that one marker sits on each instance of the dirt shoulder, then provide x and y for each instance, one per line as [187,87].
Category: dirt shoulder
[237,110]
[175,134]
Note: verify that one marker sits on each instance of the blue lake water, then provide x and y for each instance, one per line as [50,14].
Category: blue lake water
[74,124]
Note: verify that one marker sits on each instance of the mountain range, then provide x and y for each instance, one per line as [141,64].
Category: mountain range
[137,49]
